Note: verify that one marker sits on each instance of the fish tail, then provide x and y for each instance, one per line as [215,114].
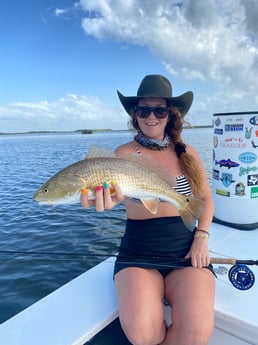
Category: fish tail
[191,211]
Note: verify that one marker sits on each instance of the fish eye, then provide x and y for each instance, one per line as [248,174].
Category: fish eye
[45,190]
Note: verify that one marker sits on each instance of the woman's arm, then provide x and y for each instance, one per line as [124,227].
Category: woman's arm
[199,251]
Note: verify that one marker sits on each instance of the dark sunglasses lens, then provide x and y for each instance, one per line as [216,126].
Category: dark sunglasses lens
[145,112]
[142,112]
[161,113]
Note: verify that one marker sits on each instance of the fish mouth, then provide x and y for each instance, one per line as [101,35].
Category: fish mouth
[40,202]
[58,200]
[36,198]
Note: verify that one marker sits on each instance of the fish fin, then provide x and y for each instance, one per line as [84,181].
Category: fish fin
[95,152]
[190,211]
[154,166]
[151,204]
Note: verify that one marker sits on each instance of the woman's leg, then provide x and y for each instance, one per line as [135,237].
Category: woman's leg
[190,292]
[140,300]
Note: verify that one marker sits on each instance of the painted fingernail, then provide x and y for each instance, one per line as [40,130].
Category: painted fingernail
[112,191]
[113,182]
[84,191]
[99,188]
[105,185]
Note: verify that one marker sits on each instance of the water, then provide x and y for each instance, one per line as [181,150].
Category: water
[26,162]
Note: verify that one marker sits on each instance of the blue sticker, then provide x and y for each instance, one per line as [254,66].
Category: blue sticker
[234,127]
[218,131]
[227,163]
[247,157]
[227,179]
[254,120]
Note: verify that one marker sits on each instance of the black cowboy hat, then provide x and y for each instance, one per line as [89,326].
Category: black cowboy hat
[157,86]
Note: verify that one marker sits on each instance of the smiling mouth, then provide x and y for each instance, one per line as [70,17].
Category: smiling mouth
[151,123]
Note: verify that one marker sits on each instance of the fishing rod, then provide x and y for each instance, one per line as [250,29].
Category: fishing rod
[240,275]
[214,260]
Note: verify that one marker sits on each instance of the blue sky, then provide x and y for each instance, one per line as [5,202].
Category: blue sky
[61,61]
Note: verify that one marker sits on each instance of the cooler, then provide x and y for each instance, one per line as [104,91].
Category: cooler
[235,169]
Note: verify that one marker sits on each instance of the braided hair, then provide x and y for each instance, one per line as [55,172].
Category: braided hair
[189,165]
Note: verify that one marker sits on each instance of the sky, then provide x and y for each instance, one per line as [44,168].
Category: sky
[62,61]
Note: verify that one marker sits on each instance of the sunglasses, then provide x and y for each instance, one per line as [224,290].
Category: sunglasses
[144,112]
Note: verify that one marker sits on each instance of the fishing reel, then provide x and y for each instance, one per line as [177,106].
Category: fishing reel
[241,277]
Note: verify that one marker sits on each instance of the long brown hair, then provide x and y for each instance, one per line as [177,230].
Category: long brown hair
[189,165]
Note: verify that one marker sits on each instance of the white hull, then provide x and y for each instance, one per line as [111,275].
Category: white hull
[80,309]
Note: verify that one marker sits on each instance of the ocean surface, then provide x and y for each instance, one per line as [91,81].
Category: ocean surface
[26,162]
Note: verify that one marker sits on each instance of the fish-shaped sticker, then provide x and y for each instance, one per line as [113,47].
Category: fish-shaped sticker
[228,163]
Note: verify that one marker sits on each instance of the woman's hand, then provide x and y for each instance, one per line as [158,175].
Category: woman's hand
[106,197]
[199,253]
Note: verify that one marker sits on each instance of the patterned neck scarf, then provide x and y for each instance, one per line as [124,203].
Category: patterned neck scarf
[152,144]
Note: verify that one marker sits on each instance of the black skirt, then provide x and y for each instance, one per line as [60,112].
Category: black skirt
[156,243]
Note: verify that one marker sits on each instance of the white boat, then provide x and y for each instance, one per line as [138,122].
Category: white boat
[85,309]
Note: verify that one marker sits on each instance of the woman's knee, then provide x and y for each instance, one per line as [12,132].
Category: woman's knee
[147,332]
[196,334]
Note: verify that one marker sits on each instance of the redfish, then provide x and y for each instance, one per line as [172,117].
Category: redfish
[138,177]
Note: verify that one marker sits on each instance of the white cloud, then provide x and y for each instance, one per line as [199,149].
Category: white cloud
[68,113]
[60,11]
[209,40]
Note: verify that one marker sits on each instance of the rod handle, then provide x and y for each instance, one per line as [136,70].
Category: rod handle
[225,261]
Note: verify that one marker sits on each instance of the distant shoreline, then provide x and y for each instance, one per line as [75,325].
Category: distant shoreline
[88,131]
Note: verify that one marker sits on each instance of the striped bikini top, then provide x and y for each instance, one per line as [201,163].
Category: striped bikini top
[183,186]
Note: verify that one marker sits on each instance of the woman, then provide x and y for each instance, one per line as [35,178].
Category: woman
[142,284]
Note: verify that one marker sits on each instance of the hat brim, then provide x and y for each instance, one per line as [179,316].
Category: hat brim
[182,102]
